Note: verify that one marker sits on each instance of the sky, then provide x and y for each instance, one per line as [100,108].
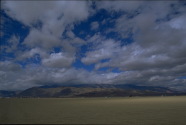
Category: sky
[92,42]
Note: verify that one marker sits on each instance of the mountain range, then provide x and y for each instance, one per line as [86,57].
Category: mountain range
[90,90]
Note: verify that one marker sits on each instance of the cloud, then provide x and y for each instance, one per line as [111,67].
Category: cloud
[41,39]
[156,55]
[13,77]
[47,20]
[48,12]
[37,76]
[103,49]
[31,53]
[150,38]
[178,23]
[12,44]
[119,5]
[58,60]
[157,46]
[94,25]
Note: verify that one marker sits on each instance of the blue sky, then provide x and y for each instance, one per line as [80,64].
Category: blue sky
[99,42]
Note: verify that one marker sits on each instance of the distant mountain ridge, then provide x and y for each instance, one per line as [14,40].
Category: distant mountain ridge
[91,90]
[124,86]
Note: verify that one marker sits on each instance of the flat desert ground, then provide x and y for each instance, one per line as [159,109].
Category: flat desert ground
[122,110]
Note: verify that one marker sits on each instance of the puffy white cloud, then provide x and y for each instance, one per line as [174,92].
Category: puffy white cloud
[150,38]
[58,60]
[157,51]
[31,53]
[102,50]
[41,39]
[46,11]
[178,23]
[47,19]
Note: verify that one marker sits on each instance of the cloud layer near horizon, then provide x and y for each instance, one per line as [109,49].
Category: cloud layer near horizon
[148,46]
